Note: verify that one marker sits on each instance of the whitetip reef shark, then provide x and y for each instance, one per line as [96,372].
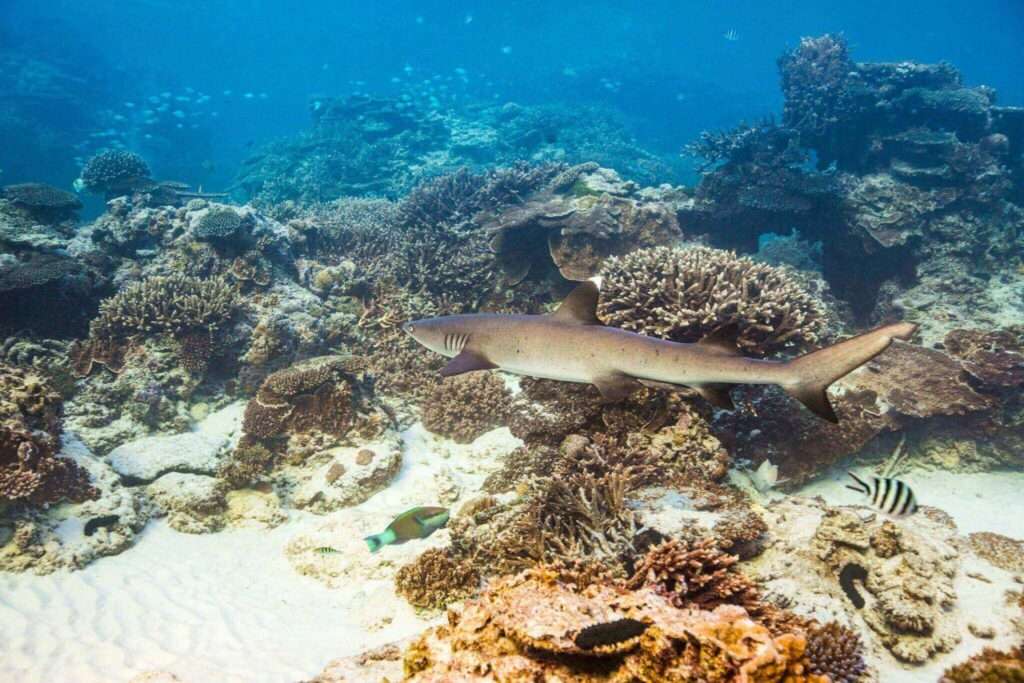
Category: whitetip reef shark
[572,345]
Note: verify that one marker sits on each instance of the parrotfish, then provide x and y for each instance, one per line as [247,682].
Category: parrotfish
[419,522]
[890,496]
[572,345]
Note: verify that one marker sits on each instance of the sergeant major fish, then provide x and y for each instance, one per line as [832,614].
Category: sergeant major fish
[890,496]
[572,345]
[419,522]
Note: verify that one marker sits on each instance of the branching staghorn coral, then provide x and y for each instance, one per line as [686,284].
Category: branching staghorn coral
[686,294]
[159,304]
[464,407]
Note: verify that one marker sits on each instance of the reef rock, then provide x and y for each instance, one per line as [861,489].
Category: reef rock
[346,475]
[192,503]
[146,459]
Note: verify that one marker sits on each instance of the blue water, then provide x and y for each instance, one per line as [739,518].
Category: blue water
[671,68]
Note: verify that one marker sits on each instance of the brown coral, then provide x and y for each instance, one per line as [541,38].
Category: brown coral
[698,575]
[837,652]
[525,627]
[30,470]
[1000,551]
[436,579]
[989,666]
[247,464]
[464,407]
[687,294]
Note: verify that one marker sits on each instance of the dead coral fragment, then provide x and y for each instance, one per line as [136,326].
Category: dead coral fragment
[686,294]
[436,579]
[836,651]
[1000,551]
[464,407]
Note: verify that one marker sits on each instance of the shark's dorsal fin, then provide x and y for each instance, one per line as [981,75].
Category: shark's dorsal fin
[722,341]
[466,361]
[581,305]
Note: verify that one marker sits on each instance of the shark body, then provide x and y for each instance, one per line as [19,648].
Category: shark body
[571,345]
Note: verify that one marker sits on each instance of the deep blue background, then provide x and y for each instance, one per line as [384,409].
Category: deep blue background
[665,64]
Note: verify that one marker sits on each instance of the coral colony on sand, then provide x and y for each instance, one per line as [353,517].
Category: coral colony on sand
[224,365]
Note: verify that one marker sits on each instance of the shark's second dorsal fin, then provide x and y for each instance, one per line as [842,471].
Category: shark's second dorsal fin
[722,341]
[581,305]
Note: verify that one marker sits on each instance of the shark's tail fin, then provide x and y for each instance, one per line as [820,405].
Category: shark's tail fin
[812,374]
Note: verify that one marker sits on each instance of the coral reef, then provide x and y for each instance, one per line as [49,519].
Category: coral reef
[687,294]
[42,201]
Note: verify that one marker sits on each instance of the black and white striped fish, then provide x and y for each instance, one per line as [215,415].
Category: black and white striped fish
[890,496]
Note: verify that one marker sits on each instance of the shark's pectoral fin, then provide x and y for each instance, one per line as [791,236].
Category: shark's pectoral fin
[716,394]
[615,388]
[581,305]
[467,361]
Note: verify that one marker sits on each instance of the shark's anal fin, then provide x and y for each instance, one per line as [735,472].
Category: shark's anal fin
[615,388]
[716,394]
[581,305]
[466,361]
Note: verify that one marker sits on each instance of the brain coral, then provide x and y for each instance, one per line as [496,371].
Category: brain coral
[114,171]
[686,294]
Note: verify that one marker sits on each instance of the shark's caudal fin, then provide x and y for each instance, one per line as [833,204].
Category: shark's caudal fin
[813,373]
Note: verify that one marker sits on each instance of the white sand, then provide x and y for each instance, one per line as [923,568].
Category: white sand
[222,607]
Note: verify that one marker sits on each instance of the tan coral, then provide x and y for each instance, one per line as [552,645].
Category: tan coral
[685,294]
[464,407]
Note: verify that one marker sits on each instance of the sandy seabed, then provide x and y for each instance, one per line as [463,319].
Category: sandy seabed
[229,607]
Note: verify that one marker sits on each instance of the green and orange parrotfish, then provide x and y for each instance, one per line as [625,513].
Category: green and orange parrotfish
[416,523]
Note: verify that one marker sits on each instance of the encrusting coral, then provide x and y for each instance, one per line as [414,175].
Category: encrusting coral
[464,407]
[686,294]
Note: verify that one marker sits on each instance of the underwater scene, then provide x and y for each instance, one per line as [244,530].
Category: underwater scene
[511,341]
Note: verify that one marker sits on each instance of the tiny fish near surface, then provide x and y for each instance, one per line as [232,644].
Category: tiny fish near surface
[890,496]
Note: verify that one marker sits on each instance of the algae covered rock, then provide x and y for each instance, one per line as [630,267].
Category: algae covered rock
[192,503]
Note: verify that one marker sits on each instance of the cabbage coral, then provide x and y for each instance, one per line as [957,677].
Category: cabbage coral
[685,294]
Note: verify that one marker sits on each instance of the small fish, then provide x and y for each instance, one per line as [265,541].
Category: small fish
[468,19]
[326,550]
[506,50]
[890,496]
[731,35]
[765,477]
[419,522]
